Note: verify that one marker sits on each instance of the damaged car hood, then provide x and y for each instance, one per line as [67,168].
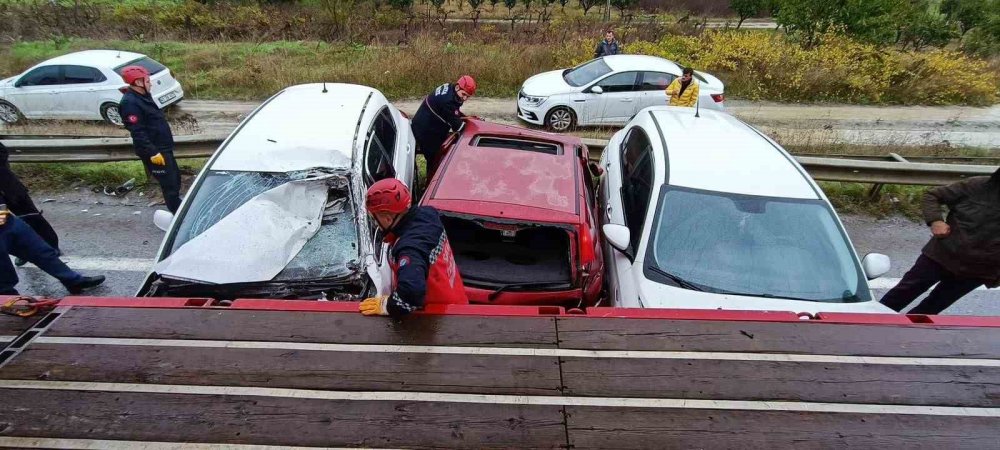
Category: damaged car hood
[263,235]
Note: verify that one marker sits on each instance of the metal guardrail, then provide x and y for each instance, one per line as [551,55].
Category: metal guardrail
[897,171]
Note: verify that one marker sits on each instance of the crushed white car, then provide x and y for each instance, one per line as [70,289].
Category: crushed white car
[284,196]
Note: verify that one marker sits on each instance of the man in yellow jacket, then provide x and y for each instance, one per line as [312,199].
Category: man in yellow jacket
[683,91]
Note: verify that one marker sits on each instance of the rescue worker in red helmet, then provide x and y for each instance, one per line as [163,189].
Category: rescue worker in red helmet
[151,136]
[422,261]
[440,114]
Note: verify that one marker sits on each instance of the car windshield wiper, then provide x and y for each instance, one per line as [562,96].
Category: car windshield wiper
[676,279]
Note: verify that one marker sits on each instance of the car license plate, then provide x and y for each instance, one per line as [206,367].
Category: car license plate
[168,97]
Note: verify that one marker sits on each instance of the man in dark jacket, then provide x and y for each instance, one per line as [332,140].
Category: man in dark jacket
[19,240]
[423,264]
[440,114]
[609,46]
[964,252]
[151,136]
[15,195]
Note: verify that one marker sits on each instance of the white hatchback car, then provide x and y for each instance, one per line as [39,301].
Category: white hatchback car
[81,86]
[708,213]
[606,91]
[278,211]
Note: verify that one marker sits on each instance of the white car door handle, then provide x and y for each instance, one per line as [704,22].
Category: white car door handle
[627,100]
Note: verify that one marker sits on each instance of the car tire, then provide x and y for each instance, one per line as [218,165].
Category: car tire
[111,115]
[560,119]
[9,113]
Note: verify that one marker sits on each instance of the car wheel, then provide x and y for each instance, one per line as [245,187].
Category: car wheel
[560,119]
[9,113]
[110,113]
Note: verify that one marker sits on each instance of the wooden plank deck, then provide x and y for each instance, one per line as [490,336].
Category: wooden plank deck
[105,377]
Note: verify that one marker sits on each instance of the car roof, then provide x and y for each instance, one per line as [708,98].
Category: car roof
[509,176]
[718,152]
[297,129]
[620,63]
[106,59]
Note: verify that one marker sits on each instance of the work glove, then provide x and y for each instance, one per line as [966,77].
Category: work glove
[3,217]
[158,159]
[374,306]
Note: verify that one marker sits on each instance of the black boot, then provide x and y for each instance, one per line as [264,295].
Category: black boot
[85,283]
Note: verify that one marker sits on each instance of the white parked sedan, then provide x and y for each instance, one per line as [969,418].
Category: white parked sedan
[606,91]
[81,86]
[708,213]
[278,211]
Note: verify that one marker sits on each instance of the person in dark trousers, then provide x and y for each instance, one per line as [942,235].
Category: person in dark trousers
[19,240]
[964,252]
[440,114]
[19,203]
[609,46]
[423,264]
[151,136]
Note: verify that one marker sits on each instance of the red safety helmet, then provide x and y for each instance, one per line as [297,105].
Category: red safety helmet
[132,73]
[388,195]
[467,84]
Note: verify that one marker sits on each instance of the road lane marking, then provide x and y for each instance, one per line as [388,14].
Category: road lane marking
[500,399]
[522,351]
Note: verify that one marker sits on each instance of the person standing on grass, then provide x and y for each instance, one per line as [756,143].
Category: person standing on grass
[683,91]
[15,195]
[609,46]
[151,136]
[440,114]
[964,252]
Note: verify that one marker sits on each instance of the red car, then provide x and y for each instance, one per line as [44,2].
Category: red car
[518,206]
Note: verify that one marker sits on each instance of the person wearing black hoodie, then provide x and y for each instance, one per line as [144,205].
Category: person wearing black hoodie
[15,195]
[964,252]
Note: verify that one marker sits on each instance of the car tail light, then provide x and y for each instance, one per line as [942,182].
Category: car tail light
[586,247]
[719,98]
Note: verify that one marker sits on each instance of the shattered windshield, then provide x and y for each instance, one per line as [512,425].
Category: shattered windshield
[331,252]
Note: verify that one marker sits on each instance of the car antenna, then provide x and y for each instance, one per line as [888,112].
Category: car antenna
[697,107]
[324,87]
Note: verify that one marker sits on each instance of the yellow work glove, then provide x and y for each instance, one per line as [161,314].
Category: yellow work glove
[158,159]
[374,306]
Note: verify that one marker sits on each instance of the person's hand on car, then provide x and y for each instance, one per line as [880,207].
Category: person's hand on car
[940,229]
[3,217]
[158,159]
[374,306]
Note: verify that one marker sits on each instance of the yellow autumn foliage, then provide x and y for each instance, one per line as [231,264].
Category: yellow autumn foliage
[763,65]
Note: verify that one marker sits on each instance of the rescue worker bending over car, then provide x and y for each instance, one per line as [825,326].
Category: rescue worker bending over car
[151,136]
[440,114]
[421,258]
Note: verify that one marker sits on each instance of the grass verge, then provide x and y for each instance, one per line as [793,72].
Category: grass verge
[63,175]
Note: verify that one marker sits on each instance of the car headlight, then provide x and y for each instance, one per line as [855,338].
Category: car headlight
[532,100]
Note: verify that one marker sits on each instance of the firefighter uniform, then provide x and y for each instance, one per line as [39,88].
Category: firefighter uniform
[439,114]
[151,136]
[423,264]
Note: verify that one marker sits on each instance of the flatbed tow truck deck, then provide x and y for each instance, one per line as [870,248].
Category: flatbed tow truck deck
[175,373]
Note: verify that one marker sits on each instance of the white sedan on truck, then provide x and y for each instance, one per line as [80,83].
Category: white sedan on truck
[708,213]
[606,91]
[81,86]
[278,211]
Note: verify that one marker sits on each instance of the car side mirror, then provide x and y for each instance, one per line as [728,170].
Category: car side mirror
[875,265]
[162,219]
[19,82]
[597,90]
[618,236]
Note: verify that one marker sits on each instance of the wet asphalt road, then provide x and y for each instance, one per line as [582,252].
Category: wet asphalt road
[116,237]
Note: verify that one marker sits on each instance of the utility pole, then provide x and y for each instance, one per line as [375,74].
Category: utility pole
[607,12]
